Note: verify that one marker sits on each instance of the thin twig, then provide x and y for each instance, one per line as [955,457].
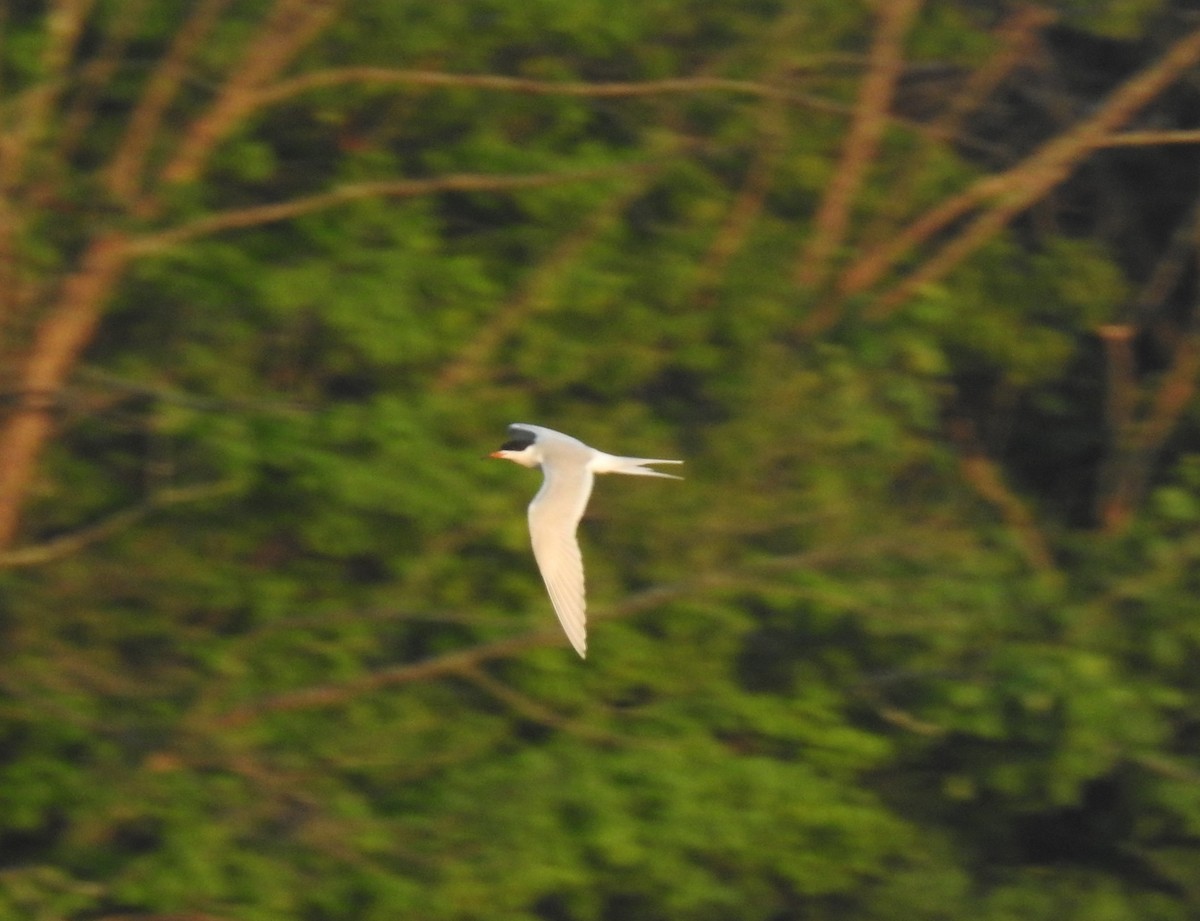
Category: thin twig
[456,663]
[1125,479]
[1151,138]
[68,544]
[1134,445]
[431,79]
[530,709]
[984,476]
[1181,252]
[258,215]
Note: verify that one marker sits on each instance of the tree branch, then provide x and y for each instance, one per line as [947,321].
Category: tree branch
[58,342]
[862,141]
[258,215]
[1145,439]
[1017,36]
[458,663]
[1015,189]
[433,79]
[983,475]
[290,26]
[68,544]
[124,171]
[530,709]
[1151,138]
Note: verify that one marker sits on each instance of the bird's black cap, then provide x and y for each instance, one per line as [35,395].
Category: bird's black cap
[518,439]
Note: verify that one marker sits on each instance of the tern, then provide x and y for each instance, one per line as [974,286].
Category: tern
[568,466]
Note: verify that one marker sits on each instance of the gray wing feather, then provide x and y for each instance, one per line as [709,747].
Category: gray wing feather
[554,517]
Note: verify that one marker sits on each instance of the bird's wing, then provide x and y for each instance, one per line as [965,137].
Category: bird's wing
[554,516]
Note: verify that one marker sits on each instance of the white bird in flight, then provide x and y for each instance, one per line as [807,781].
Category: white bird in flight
[567,466]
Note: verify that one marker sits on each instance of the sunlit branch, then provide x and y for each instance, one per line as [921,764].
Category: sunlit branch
[1151,138]
[330,695]
[1018,38]
[435,79]
[287,30]
[862,141]
[58,341]
[1174,395]
[124,171]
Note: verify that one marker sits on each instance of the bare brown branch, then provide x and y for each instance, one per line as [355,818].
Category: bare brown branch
[290,26]
[124,171]
[1016,35]
[1125,466]
[1119,373]
[457,663]
[334,694]
[983,475]
[1120,394]
[432,79]
[1151,138]
[530,709]
[392,188]
[68,544]
[59,340]
[862,141]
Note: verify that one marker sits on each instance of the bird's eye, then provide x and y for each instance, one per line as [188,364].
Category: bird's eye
[516,445]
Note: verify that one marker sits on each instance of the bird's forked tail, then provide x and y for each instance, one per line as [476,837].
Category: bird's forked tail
[633,466]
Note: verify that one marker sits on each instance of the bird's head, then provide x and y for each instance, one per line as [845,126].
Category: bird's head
[521,448]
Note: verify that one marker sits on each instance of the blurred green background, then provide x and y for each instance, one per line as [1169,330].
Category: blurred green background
[911,286]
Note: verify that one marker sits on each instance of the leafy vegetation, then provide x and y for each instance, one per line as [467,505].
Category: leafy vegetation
[914,639]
